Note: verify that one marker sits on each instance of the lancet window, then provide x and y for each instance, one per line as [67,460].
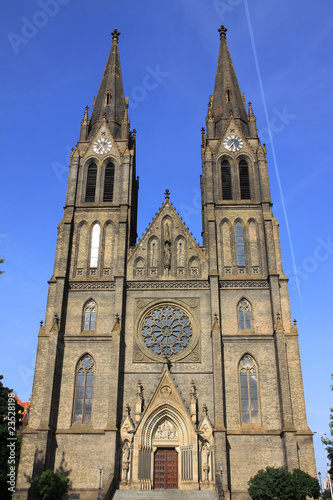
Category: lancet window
[91,182]
[249,390]
[84,390]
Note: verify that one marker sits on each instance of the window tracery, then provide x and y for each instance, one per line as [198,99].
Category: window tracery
[90,316]
[244,315]
[249,390]
[166,330]
[84,390]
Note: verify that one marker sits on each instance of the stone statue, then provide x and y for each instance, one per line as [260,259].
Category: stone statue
[167,255]
[126,453]
[205,454]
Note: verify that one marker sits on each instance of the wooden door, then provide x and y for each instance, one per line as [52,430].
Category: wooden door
[166,469]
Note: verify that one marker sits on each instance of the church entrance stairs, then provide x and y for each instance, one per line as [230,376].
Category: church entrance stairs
[164,495]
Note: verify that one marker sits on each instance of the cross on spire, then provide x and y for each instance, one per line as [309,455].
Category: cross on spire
[115,35]
[167,194]
[222,31]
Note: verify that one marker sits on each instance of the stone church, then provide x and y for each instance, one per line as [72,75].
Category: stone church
[164,364]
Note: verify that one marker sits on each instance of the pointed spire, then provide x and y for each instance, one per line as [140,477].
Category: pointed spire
[227,96]
[110,100]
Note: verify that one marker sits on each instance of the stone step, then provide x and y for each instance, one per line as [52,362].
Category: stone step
[164,495]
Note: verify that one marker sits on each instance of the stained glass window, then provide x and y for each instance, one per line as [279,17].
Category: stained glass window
[244,315]
[90,316]
[166,330]
[240,245]
[249,391]
[84,390]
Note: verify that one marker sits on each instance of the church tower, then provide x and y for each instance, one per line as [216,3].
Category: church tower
[163,364]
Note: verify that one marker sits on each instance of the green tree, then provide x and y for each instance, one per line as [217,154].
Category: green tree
[279,484]
[6,457]
[1,262]
[305,485]
[329,442]
[50,486]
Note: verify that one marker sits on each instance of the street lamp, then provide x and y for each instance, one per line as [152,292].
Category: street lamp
[327,462]
[99,496]
[319,478]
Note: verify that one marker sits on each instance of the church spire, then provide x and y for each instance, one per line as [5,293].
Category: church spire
[227,98]
[110,100]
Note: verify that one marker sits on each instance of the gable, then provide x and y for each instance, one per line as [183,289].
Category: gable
[167,250]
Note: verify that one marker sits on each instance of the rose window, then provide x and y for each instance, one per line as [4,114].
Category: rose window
[166,330]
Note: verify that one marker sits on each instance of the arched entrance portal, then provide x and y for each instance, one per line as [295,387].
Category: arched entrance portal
[162,450]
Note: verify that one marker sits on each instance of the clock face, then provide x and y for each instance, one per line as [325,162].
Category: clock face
[102,146]
[233,143]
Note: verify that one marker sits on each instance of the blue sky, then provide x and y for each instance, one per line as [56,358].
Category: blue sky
[53,58]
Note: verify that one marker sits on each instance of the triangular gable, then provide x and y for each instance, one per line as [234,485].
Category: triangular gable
[149,259]
[232,129]
[103,132]
[166,400]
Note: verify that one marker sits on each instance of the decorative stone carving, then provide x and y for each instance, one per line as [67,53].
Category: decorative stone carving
[126,459]
[139,402]
[244,284]
[91,286]
[143,285]
[166,391]
[205,454]
[127,426]
[194,403]
[166,431]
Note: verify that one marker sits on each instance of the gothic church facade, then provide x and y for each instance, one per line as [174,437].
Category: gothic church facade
[165,364]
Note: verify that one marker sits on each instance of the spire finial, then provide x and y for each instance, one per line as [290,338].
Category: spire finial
[115,35]
[167,194]
[222,32]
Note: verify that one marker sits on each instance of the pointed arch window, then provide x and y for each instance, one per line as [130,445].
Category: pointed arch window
[89,322]
[108,182]
[226,180]
[249,390]
[108,98]
[153,254]
[180,253]
[84,390]
[244,180]
[95,245]
[244,315]
[91,182]
[240,244]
